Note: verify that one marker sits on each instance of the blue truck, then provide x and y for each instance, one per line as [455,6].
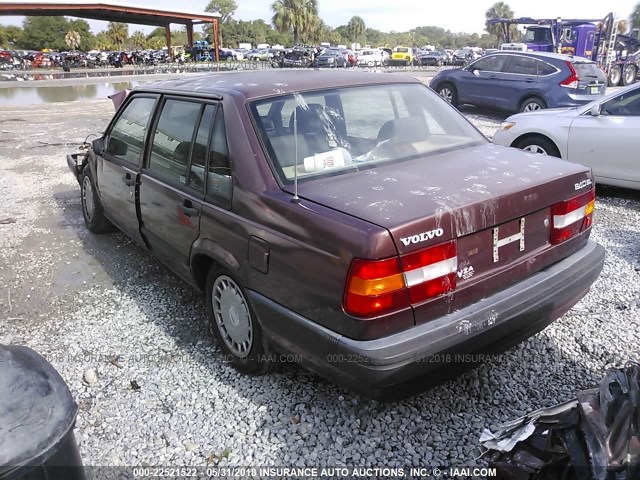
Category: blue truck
[596,39]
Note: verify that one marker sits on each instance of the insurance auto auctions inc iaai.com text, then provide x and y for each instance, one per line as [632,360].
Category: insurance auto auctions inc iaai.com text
[349,472]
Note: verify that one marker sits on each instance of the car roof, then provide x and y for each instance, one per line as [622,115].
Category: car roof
[268,83]
[543,55]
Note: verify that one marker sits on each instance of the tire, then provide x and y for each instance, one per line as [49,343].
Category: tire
[234,325]
[629,74]
[449,93]
[92,210]
[538,144]
[532,104]
[615,75]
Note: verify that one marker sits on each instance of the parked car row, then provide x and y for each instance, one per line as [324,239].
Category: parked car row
[23,59]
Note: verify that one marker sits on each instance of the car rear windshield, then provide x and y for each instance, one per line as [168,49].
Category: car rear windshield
[587,70]
[341,130]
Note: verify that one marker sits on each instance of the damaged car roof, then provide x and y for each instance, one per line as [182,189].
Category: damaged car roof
[267,83]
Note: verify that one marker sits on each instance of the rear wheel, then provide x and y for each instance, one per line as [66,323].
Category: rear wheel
[629,75]
[615,74]
[232,322]
[538,144]
[92,210]
[532,104]
[449,93]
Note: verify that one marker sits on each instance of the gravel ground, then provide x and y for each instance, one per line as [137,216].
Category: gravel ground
[130,339]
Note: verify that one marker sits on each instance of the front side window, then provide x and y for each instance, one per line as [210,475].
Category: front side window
[356,127]
[492,63]
[127,135]
[173,139]
[627,104]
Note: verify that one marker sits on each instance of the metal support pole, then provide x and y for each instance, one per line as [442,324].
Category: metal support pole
[167,36]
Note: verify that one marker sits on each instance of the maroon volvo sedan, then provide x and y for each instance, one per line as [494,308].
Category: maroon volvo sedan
[354,219]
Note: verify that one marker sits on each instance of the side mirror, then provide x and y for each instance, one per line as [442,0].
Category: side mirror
[596,110]
[98,146]
[117,147]
[476,72]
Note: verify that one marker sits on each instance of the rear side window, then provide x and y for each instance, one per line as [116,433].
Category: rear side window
[545,68]
[127,135]
[199,154]
[523,65]
[172,140]
[219,174]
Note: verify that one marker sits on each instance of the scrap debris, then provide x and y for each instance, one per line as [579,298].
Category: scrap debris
[594,437]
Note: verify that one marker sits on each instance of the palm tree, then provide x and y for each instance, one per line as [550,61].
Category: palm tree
[622,26]
[635,17]
[138,40]
[72,39]
[356,28]
[117,33]
[497,10]
[294,16]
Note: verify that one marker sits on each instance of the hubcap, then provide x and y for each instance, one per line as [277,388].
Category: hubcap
[535,149]
[232,316]
[446,94]
[531,107]
[630,75]
[87,198]
[615,76]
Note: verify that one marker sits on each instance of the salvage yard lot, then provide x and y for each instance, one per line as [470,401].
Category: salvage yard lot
[130,338]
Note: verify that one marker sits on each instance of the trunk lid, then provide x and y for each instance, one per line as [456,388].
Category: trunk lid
[460,192]
[495,201]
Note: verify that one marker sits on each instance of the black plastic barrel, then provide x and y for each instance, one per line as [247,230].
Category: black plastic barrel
[37,416]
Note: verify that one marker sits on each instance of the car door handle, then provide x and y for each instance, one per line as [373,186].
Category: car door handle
[128,180]
[530,80]
[188,209]
[493,77]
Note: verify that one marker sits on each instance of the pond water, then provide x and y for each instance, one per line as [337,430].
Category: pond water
[36,95]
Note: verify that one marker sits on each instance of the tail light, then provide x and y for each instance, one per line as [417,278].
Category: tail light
[376,287]
[572,217]
[572,80]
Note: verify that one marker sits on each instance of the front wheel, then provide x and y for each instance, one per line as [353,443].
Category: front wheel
[629,75]
[538,144]
[232,322]
[92,210]
[615,74]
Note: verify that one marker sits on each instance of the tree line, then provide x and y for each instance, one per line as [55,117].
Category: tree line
[293,22]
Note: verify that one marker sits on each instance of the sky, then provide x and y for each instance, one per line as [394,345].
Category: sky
[402,15]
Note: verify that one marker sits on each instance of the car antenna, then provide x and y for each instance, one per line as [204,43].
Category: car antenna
[295,198]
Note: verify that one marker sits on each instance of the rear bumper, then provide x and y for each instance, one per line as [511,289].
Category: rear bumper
[575,100]
[410,361]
